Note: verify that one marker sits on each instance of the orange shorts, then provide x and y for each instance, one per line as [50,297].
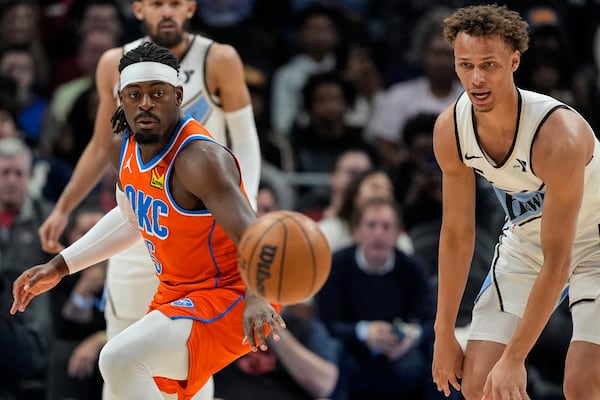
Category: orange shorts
[216,337]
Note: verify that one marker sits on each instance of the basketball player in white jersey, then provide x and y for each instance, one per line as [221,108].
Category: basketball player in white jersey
[215,94]
[543,161]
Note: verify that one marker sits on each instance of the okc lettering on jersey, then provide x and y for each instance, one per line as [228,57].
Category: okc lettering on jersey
[148,211]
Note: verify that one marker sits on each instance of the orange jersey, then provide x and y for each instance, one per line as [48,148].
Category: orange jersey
[189,249]
[195,260]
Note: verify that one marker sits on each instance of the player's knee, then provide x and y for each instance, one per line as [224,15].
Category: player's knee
[112,362]
[471,388]
[580,385]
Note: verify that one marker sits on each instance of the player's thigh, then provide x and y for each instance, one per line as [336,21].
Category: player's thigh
[583,357]
[156,342]
[491,330]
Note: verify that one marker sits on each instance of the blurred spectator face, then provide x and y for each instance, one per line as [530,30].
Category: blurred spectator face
[438,60]
[19,24]
[101,17]
[165,20]
[376,232]
[377,184]
[84,221]
[19,65]
[14,178]
[8,126]
[95,43]
[328,103]
[348,167]
[319,35]
[265,202]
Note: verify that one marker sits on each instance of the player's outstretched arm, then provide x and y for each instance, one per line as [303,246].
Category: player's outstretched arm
[217,186]
[93,160]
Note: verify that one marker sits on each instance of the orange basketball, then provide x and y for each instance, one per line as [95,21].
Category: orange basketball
[284,257]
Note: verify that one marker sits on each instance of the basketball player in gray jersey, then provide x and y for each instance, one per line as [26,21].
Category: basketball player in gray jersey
[215,93]
[543,161]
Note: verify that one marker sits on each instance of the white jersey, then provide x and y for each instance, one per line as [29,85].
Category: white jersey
[131,281]
[521,194]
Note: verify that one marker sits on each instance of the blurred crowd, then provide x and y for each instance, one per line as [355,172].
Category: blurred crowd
[345,95]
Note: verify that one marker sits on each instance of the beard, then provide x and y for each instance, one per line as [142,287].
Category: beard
[169,41]
[146,138]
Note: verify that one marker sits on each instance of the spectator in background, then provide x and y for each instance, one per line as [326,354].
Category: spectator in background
[18,62]
[275,148]
[8,118]
[378,302]
[359,68]
[85,18]
[22,351]
[326,134]
[369,184]
[20,27]
[20,217]
[91,47]
[79,325]
[350,164]
[317,41]
[432,91]
[301,365]
[266,199]
[417,180]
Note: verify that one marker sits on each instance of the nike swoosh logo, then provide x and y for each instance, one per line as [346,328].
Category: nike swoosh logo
[468,157]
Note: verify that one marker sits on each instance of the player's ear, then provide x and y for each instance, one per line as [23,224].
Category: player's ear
[515,60]
[178,95]
[137,7]
[191,9]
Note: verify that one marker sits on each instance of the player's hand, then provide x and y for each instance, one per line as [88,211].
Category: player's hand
[506,381]
[257,313]
[447,366]
[37,280]
[51,230]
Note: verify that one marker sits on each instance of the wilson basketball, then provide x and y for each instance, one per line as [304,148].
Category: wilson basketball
[284,257]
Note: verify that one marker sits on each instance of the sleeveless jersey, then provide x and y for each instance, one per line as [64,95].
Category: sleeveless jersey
[518,257]
[197,100]
[519,190]
[189,249]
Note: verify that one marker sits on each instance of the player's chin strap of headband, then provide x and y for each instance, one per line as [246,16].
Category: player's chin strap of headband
[147,71]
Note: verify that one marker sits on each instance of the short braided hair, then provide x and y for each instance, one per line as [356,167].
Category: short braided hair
[147,51]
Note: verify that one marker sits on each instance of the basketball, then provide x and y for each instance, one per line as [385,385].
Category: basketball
[284,257]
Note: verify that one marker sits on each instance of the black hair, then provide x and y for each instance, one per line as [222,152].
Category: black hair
[417,125]
[349,200]
[147,51]
[323,78]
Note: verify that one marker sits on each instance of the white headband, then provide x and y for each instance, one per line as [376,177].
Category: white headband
[149,71]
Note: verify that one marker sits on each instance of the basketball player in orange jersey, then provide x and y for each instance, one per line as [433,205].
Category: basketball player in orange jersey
[184,193]
[215,94]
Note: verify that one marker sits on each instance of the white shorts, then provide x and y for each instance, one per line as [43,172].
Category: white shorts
[518,259]
[491,324]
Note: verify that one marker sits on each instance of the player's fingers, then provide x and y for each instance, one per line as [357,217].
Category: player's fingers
[275,324]
[260,332]
[249,334]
